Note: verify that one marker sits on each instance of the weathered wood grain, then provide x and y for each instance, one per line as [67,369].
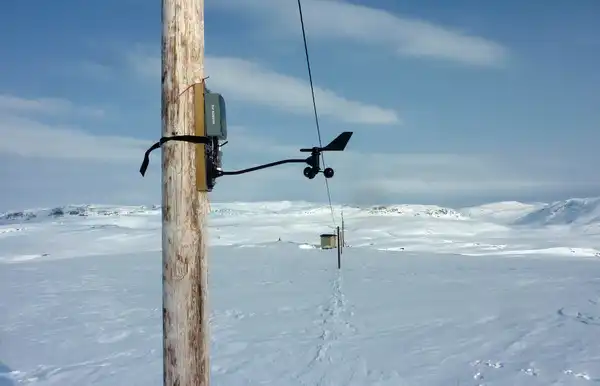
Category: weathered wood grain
[185,287]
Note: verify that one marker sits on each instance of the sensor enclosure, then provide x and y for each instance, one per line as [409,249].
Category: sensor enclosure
[215,116]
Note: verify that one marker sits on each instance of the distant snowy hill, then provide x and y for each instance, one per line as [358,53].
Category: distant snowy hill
[574,211]
[67,211]
[416,210]
[235,209]
[504,212]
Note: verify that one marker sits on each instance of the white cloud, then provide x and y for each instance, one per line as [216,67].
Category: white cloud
[55,165]
[26,133]
[250,82]
[29,138]
[339,20]
[47,106]
[33,183]
[387,177]
[43,163]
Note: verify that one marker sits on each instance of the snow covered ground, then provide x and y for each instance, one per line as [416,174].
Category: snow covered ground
[494,295]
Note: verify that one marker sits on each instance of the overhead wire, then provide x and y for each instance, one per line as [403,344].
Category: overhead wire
[312,90]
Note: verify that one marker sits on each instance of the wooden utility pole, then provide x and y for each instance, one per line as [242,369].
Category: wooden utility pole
[184,209]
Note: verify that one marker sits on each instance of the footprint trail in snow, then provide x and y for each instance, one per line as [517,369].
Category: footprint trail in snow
[334,326]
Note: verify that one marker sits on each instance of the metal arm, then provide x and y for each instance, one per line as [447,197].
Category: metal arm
[271,164]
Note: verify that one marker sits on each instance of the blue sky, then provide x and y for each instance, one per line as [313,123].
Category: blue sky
[455,103]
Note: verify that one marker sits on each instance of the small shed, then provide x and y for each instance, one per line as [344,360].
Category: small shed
[328,241]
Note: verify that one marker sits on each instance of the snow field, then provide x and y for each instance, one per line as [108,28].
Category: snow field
[81,301]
